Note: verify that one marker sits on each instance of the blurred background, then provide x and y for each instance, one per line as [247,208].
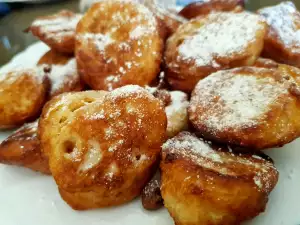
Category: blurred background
[17,15]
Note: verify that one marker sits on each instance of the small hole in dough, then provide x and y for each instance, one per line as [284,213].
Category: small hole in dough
[69,147]
[62,119]
[138,157]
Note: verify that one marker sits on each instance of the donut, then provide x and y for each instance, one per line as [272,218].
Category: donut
[62,73]
[204,7]
[104,152]
[57,30]
[203,183]
[151,196]
[22,148]
[282,42]
[118,43]
[208,44]
[249,107]
[22,96]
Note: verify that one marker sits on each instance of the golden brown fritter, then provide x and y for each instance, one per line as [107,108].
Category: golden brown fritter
[22,96]
[250,107]
[22,148]
[209,185]
[216,42]
[62,73]
[282,41]
[103,152]
[151,196]
[118,43]
[204,7]
[57,30]
[58,109]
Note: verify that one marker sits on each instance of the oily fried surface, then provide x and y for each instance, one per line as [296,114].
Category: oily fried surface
[57,30]
[208,185]
[62,72]
[22,95]
[22,148]
[282,42]
[250,107]
[56,112]
[105,151]
[151,196]
[208,44]
[118,43]
[201,8]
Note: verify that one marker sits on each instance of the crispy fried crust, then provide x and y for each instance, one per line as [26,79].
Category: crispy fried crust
[62,73]
[256,108]
[112,53]
[57,30]
[208,185]
[103,153]
[202,8]
[205,45]
[281,42]
[22,148]
[22,95]
[151,196]
[56,111]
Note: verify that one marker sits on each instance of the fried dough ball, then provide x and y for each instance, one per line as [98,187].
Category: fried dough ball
[151,196]
[22,95]
[170,19]
[103,153]
[56,112]
[208,185]
[57,30]
[206,45]
[250,107]
[22,148]
[62,73]
[118,43]
[204,7]
[282,42]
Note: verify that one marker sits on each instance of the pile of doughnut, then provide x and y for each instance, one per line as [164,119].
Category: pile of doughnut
[133,99]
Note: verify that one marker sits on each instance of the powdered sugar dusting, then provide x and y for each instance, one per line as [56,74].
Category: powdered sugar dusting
[61,74]
[176,112]
[58,26]
[223,35]
[200,152]
[230,100]
[17,72]
[192,147]
[101,41]
[129,90]
[281,19]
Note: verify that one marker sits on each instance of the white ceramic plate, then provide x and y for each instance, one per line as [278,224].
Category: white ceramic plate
[29,198]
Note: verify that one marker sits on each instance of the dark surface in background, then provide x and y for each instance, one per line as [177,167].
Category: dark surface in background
[12,37]
[13,40]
